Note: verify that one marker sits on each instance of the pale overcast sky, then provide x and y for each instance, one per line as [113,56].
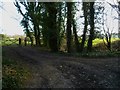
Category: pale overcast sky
[10,19]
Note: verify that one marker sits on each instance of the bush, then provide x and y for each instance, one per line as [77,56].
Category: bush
[98,45]
[116,45]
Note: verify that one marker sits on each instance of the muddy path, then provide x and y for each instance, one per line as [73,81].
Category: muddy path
[56,71]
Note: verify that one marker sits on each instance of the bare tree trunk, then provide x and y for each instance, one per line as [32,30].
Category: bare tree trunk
[36,39]
[119,20]
[25,41]
[108,40]
[76,37]
[59,26]
[29,35]
[69,19]
[85,26]
[19,41]
[38,36]
[45,29]
[89,46]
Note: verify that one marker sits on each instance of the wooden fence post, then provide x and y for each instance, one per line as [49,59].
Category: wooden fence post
[25,40]
[19,41]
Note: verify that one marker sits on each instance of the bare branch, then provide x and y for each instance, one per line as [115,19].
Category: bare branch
[115,7]
[19,9]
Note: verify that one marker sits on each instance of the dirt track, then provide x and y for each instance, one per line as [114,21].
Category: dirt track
[56,71]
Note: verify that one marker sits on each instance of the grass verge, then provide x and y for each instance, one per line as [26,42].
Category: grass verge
[94,54]
[13,74]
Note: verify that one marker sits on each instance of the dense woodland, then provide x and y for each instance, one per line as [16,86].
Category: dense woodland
[50,24]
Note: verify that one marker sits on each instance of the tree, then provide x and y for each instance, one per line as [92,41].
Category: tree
[99,22]
[43,16]
[91,36]
[52,32]
[69,22]
[119,20]
[108,36]
[107,31]
[59,23]
[85,11]
[74,27]
[25,24]
[117,8]
[98,12]
[77,44]
[44,24]
[32,14]
[33,11]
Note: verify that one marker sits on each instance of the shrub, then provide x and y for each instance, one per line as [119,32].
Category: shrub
[116,45]
[98,45]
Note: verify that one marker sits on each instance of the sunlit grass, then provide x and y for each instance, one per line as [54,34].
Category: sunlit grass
[98,41]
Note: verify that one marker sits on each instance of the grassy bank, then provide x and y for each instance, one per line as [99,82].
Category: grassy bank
[13,74]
